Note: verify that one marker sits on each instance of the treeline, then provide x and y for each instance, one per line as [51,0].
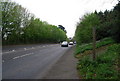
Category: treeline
[107,24]
[19,26]
[83,33]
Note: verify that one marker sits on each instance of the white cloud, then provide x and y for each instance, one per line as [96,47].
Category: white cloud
[65,12]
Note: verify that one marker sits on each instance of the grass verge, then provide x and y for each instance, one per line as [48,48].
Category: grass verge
[106,65]
[86,47]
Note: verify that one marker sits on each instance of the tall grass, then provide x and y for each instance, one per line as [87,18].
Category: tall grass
[104,67]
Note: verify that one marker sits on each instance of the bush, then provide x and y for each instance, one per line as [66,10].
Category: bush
[104,67]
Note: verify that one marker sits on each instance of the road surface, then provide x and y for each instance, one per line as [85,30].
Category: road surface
[65,67]
[31,61]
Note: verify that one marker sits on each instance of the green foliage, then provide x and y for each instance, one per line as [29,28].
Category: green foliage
[83,32]
[82,48]
[109,23]
[104,67]
[116,23]
[21,27]
[104,42]
[86,47]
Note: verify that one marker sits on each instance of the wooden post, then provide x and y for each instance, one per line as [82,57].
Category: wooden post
[94,43]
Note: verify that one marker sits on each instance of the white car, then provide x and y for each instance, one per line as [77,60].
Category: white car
[70,43]
[64,44]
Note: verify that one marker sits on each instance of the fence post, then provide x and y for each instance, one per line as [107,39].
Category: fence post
[94,43]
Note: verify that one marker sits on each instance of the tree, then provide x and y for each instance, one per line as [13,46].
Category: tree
[83,33]
[115,30]
[20,26]
[62,28]
[109,23]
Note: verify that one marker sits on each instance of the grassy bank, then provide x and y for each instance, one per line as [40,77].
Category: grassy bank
[104,67]
[85,47]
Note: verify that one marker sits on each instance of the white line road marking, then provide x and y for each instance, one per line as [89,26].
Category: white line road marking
[8,52]
[25,49]
[23,55]
[33,48]
[17,50]
[29,48]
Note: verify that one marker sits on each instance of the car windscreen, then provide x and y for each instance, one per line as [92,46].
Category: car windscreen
[64,43]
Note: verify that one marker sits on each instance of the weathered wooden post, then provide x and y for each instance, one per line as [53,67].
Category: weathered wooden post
[94,43]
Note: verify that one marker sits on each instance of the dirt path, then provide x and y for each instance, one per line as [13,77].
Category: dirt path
[65,68]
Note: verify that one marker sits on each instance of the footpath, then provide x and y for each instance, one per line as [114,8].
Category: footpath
[65,67]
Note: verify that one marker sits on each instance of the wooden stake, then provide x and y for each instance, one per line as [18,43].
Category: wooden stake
[94,43]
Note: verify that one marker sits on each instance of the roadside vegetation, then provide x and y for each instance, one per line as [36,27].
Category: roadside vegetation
[89,46]
[19,26]
[104,67]
[106,64]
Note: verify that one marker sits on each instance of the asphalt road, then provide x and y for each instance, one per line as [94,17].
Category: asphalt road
[30,61]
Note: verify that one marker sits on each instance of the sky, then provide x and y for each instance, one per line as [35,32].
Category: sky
[65,12]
